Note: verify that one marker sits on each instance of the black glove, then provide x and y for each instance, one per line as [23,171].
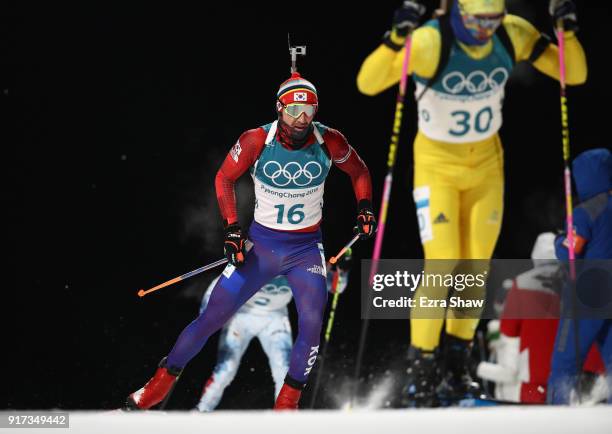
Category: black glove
[564,10]
[366,222]
[234,245]
[406,18]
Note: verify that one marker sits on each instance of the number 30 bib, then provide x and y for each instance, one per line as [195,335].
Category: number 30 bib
[289,184]
[464,105]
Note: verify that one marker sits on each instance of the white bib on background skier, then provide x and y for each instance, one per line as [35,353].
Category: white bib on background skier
[274,296]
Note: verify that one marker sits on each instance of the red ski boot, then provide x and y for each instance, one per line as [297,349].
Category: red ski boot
[288,398]
[155,390]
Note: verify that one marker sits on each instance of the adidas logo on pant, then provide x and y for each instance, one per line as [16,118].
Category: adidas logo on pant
[441,219]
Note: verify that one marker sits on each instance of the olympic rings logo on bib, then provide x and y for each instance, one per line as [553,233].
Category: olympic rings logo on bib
[293,171]
[475,82]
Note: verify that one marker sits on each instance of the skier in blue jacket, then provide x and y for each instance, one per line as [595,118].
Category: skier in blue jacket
[592,172]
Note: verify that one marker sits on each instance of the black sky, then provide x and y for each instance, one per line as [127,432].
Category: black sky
[120,114]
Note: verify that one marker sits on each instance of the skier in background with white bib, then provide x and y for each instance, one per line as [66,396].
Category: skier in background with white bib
[460,63]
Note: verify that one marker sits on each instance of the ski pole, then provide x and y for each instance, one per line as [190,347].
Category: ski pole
[481,356]
[326,338]
[568,201]
[348,245]
[382,218]
[142,292]
[397,123]
[443,9]
[566,152]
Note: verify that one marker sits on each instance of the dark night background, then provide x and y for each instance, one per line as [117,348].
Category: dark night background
[119,116]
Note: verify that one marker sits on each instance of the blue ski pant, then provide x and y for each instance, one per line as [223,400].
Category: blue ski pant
[563,370]
[298,256]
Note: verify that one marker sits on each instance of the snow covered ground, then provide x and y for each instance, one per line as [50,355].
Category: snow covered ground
[489,420]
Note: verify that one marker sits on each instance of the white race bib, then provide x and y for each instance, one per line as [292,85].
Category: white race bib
[469,109]
[287,209]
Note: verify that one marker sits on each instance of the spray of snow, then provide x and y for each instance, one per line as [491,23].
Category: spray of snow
[376,398]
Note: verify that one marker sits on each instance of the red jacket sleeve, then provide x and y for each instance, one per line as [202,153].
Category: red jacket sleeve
[511,319]
[346,159]
[242,156]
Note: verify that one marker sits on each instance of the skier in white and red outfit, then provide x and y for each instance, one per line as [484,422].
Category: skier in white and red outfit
[288,160]
[527,331]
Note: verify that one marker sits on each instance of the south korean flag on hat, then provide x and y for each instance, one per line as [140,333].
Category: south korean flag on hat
[297,90]
[300,97]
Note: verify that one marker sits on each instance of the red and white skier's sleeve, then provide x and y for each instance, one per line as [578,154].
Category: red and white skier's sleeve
[512,317]
[242,156]
[346,158]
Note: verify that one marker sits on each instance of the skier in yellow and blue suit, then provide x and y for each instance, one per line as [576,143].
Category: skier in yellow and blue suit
[460,63]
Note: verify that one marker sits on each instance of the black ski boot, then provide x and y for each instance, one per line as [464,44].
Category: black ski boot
[457,382]
[422,379]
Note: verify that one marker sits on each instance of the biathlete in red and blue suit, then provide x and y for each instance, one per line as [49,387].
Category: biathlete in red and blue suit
[289,160]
